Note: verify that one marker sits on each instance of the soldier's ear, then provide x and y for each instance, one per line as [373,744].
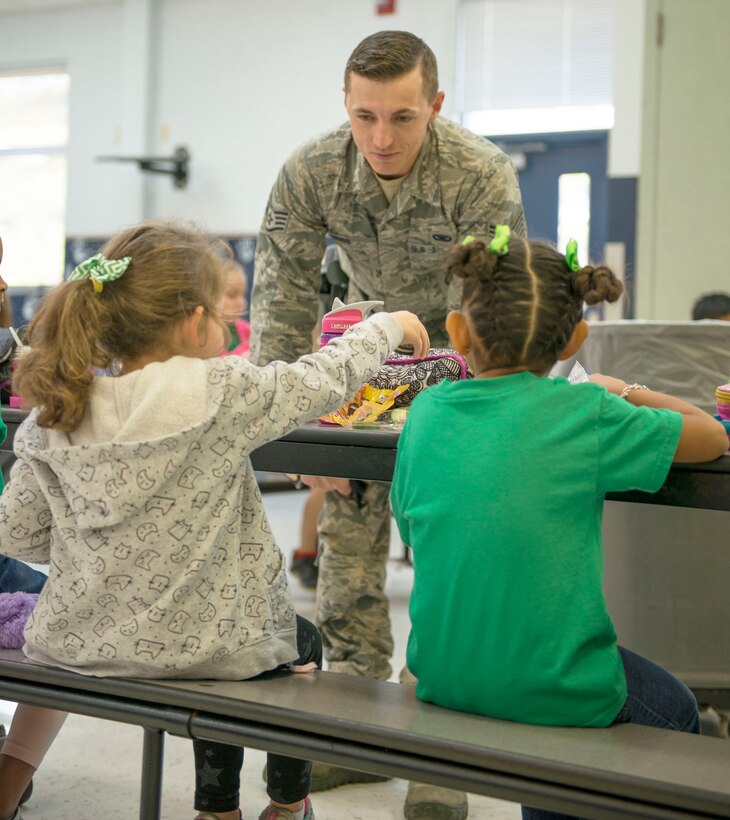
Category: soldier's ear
[436,105]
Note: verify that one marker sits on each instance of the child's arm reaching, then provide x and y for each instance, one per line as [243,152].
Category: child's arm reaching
[703,438]
[279,397]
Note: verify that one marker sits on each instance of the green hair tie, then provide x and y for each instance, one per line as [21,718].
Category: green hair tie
[499,244]
[571,256]
[100,270]
[468,239]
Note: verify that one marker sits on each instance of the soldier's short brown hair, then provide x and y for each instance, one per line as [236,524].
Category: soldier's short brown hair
[386,55]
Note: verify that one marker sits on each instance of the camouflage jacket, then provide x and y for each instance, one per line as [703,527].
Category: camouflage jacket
[461,184]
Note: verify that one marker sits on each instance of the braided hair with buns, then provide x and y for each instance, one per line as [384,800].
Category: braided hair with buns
[525,304]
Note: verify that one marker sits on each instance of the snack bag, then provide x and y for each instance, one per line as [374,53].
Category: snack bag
[365,407]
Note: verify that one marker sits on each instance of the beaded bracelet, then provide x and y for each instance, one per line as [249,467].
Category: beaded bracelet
[629,387]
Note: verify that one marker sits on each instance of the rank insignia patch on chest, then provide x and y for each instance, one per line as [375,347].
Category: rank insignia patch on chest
[276,220]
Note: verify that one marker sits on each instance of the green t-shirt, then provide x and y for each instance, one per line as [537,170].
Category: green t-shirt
[498,489]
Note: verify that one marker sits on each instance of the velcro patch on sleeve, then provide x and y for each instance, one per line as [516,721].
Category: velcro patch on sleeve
[276,220]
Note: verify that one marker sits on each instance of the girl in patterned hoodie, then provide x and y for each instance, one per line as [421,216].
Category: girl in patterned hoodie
[139,492]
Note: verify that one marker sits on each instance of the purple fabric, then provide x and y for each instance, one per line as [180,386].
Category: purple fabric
[15,609]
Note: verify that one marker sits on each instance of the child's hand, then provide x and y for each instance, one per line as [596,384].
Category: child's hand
[307,667]
[613,385]
[414,333]
[321,482]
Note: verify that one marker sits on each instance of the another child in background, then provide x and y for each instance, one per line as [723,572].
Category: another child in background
[15,576]
[233,306]
[6,313]
[507,610]
[31,734]
[33,728]
[139,491]
[712,306]
[303,558]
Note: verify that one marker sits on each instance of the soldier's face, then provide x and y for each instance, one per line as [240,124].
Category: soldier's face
[389,120]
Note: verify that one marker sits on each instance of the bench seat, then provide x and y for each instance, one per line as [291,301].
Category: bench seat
[380,727]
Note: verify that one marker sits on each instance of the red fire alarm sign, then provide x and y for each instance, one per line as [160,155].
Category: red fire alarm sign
[385,7]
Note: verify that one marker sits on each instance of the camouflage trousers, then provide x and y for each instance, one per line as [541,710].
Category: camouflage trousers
[351,608]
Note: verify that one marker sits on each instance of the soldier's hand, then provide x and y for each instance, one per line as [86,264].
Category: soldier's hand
[328,484]
[414,333]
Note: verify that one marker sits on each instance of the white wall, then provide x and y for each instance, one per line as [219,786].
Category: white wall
[98,197]
[239,82]
[624,144]
[683,239]
[267,77]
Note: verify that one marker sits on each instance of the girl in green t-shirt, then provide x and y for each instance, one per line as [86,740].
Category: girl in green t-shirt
[508,617]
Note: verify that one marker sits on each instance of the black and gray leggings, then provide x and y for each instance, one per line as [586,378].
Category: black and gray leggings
[218,766]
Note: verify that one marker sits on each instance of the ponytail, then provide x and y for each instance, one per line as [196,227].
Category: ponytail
[56,373]
[597,284]
[525,303]
[92,323]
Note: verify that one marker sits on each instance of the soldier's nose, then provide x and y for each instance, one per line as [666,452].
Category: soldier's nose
[382,138]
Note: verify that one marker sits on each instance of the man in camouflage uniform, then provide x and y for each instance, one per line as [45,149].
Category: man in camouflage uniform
[394,188]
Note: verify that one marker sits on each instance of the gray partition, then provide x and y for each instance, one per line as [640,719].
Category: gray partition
[686,359]
[668,569]
[667,585]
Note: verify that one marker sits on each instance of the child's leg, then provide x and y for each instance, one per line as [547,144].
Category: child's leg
[15,576]
[217,776]
[288,778]
[31,734]
[655,698]
[218,766]
[304,556]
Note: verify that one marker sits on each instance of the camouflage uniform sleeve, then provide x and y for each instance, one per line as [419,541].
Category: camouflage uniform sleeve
[289,251]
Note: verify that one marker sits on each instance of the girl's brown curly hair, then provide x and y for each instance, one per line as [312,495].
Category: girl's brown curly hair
[525,305]
[174,269]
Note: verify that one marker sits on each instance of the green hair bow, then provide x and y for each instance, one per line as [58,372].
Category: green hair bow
[100,270]
[499,244]
[571,256]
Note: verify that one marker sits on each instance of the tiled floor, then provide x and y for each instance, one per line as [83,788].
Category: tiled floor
[93,769]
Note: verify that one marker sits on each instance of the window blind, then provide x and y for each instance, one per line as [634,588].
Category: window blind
[535,55]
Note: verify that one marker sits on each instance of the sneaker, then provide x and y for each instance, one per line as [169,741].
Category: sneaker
[25,797]
[279,813]
[326,777]
[304,568]
[435,803]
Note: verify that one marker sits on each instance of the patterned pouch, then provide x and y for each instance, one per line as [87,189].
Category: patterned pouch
[418,374]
